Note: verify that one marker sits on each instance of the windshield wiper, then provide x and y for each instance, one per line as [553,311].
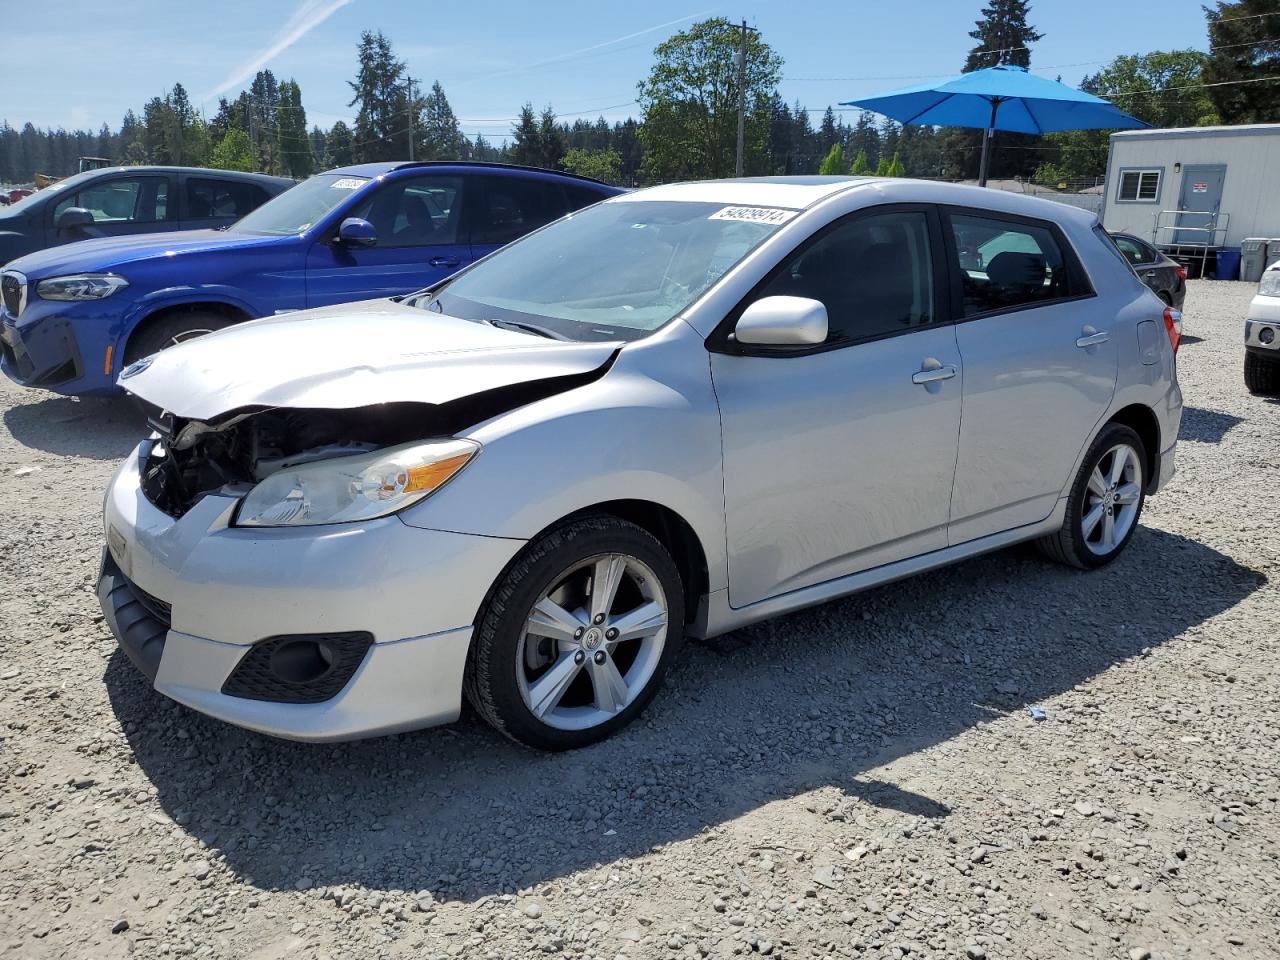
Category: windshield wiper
[525,327]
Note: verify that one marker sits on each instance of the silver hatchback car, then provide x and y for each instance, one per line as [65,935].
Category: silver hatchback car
[671,414]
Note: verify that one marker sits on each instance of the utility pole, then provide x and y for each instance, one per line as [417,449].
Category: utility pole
[742,94]
[412,133]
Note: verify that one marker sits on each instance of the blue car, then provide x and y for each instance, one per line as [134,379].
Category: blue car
[74,316]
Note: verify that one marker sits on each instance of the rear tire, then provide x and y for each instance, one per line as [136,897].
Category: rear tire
[1260,374]
[1105,502]
[574,640]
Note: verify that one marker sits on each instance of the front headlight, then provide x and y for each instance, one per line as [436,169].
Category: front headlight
[81,286]
[354,488]
[1269,286]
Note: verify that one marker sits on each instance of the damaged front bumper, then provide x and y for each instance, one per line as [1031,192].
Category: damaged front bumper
[221,618]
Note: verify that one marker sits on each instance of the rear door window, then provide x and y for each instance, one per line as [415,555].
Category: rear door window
[1005,264]
[1136,253]
[209,199]
[513,206]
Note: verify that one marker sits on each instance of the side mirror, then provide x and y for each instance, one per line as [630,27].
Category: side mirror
[783,322]
[355,232]
[73,220]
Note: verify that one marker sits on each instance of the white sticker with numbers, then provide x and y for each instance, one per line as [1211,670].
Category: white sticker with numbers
[770,215]
[348,183]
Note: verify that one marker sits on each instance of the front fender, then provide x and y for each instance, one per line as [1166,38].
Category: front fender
[648,430]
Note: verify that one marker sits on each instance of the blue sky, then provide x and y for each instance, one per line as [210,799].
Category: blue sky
[75,63]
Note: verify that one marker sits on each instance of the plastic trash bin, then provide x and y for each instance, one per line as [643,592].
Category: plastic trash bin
[1273,250]
[1227,266]
[1253,258]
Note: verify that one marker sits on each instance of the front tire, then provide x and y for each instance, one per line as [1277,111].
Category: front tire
[1261,375]
[575,639]
[1105,502]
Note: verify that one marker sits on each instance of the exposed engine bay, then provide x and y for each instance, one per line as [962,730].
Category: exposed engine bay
[243,447]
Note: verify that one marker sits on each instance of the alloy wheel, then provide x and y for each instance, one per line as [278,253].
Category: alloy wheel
[1111,499]
[593,642]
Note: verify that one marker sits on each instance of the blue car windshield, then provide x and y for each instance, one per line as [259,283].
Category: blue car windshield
[618,270]
[295,210]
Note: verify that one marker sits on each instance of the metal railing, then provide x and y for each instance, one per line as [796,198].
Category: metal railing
[1168,232]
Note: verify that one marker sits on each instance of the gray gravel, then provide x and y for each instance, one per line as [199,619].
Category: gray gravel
[859,780]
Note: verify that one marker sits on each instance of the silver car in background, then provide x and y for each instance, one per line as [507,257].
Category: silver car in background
[671,414]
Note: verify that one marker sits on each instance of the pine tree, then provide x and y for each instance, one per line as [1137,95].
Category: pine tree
[834,163]
[526,139]
[339,149]
[294,143]
[382,120]
[861,167]
[318,152]
[264,100]
[439,137]
[1003,36]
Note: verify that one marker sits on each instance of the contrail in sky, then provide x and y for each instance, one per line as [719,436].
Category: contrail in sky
[309,15]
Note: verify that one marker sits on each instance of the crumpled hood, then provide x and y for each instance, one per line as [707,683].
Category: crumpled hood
[106,254]
[352,355]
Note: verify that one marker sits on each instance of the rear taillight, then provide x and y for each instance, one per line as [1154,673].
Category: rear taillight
[1182,273]
[1173,327]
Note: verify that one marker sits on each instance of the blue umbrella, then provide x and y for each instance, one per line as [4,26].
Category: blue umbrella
[999,98]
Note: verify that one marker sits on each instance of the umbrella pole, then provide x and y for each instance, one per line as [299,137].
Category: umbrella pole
[987,136]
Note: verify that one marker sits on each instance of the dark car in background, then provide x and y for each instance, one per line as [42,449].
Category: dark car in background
[119,201]
[1166,277]
[72,317]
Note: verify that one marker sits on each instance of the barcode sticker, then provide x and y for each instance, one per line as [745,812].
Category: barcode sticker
[770,215]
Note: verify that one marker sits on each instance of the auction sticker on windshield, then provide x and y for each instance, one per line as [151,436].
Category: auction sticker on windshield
[773,215]
[348,183]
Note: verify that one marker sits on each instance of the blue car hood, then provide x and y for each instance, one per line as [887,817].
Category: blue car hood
[108,254]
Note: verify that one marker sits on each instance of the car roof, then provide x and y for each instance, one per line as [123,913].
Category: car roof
[199,171]
[800,193]
[390,166]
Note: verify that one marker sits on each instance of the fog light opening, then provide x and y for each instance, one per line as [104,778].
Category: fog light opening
[1266,335]
[302,661]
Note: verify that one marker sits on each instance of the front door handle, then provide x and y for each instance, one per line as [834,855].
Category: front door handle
[1090,337]
[444,261]
[931,371]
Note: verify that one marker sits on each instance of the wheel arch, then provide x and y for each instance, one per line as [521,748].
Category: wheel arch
[163,311]
[670,529]
[1141,419]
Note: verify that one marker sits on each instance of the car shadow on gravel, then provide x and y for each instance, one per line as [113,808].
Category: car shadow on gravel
[88,427]
[1206,426]
[820,698]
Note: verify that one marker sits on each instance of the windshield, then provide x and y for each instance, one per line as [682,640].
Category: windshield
[614,271]
[54,188]
[295,210]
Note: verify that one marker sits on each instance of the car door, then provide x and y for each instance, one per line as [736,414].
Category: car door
[839,458]
[512,205]
[209,203]
[120,205]
[1040,364]
[421,229]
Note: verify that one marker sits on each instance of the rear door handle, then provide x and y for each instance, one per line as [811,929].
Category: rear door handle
[932,374]
[444,261]
[1091,338]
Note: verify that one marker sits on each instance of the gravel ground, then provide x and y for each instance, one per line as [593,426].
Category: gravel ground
[858,780]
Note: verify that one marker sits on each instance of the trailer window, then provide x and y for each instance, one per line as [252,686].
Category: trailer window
[1139,186]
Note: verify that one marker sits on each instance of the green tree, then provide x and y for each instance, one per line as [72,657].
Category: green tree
[291,130]
[339,149]
[526,138]
[861,166]
[690,101]
[264,112]
[895,167]
[382,118]
[551,141]
[234,152]
[603,165]
[882,168]
[1161,88]
[1003,36]
[834,164]
[1244,44]
[439,137]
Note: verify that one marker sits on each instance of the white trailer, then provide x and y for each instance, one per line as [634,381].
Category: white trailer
[1196,190]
